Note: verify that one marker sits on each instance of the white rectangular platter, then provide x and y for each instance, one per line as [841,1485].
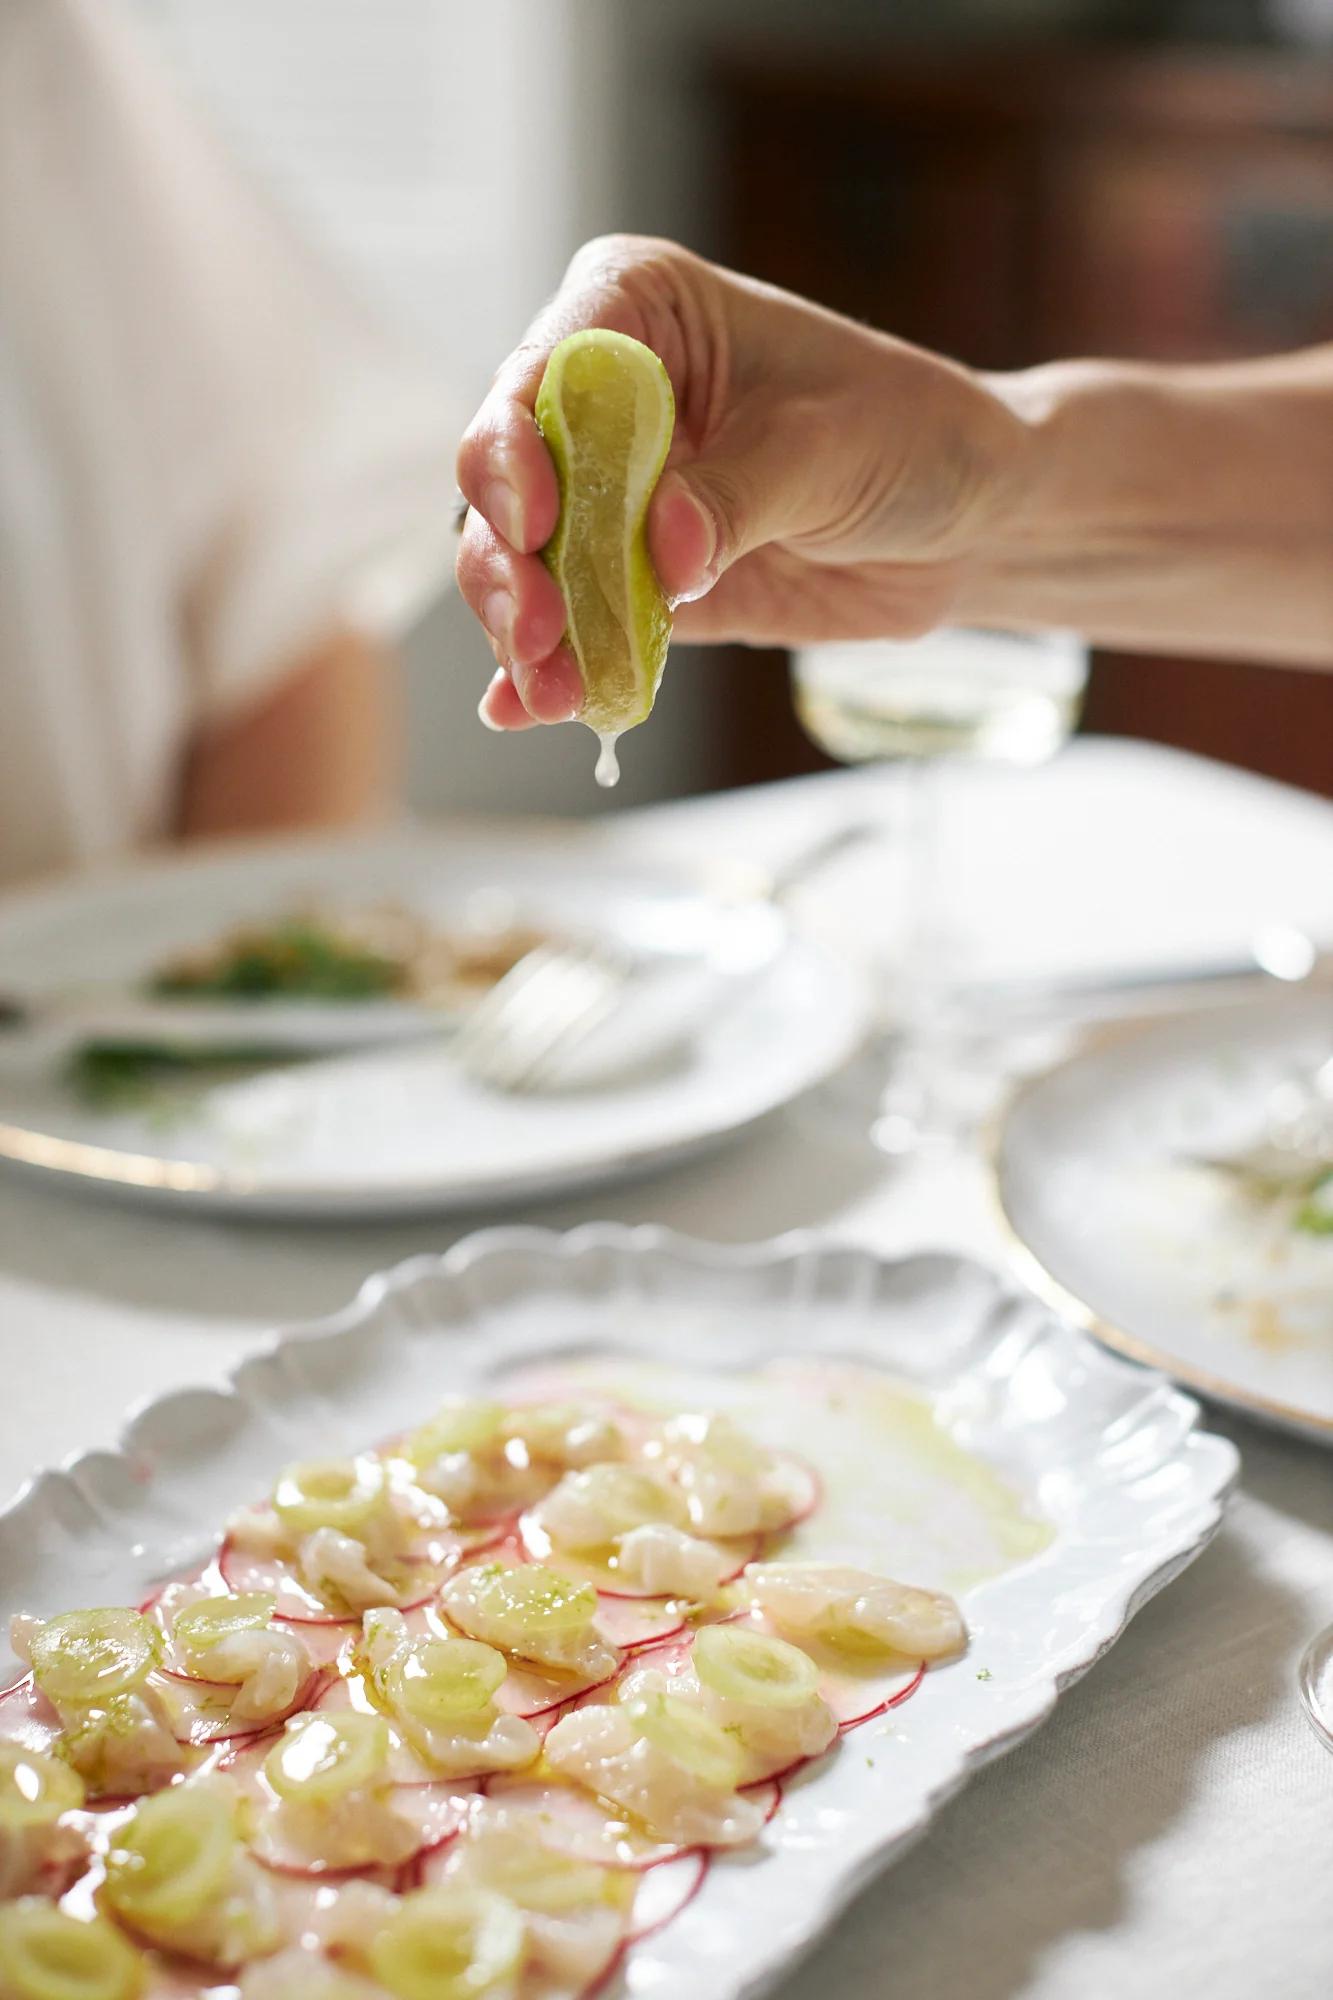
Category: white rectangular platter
[1109,1454]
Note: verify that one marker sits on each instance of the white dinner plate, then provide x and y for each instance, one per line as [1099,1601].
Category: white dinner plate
[1166,1259]
[399,1129]
[1105,1456]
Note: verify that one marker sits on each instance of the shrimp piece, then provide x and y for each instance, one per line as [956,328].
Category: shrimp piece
[855,1610]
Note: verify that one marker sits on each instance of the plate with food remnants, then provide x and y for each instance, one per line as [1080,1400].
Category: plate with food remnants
[1170,1187]
[573,1615]
[272,1029]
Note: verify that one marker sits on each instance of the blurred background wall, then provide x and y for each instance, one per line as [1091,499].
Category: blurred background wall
[1008,179]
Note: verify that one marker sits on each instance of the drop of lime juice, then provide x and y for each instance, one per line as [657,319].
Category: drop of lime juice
[607,771]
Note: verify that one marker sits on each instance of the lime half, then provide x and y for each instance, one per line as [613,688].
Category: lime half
[606,412]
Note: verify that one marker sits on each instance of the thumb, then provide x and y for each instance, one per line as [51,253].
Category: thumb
[706,515]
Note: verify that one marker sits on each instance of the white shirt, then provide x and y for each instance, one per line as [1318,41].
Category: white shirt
[209,452]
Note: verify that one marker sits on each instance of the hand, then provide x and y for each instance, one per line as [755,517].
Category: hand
[825,481]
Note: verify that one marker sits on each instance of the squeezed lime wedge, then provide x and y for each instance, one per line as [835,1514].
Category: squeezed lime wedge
[606,412]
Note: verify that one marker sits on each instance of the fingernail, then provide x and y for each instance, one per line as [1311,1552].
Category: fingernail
[497,615]
[482,716]
[709,526]
[500,505]
[544,702]
[703,535]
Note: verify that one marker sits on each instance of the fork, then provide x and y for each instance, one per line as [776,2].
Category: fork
[521,1034]
[517,1036]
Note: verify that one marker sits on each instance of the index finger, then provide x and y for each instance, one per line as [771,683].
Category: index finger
[504,469]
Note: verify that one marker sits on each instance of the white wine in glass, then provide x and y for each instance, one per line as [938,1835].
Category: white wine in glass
[1002,697]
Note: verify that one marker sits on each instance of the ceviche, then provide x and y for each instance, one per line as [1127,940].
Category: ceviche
[467,1714]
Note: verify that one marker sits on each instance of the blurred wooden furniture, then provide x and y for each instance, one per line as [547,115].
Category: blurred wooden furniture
[1019,206]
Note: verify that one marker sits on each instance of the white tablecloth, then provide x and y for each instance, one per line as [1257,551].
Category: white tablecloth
[1171,1829]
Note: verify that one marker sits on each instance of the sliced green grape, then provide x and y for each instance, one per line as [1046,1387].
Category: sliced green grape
[34,1788]
[199,1627]
[591,1509]
[532,1602]
[448,1943]
[742,1665]
[689,1737]
[514,1862]
[442,1681]
[324,1757]
[456,1426]
[47,1955]
[88,1656]
[171,1860]
[341,1493]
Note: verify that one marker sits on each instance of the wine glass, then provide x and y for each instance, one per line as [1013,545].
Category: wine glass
[960,693]
[1314,1678]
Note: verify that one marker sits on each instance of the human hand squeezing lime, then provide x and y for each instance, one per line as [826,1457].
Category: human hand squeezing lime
[805,494]
[826,481]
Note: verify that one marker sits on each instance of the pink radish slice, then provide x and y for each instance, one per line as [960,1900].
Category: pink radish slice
[654,1908]
[298,1606]
[321,1640]
[578,1825]
[434,1813]
[27,1717]
[634,1622]
[894,1700]
[438,1811]
[531,1693]
[202,1723]
[808,1488]
[767,1793]
[664,1892]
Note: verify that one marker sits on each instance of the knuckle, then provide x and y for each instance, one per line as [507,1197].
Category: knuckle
[726,498]
[473,563]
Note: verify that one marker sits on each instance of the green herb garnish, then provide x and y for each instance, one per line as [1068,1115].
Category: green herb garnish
[133,1076]
[294,959]
[1315,1214]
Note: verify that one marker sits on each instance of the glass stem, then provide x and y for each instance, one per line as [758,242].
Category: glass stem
[922,935]
[909,1106]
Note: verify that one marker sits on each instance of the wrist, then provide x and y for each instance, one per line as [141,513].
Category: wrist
[1065,495]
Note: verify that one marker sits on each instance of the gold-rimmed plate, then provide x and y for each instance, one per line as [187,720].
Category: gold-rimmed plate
[398,1129]
[1101,1176]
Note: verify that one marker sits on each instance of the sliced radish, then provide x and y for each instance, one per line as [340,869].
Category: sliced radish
[632,1623]
[655,1907]
[434,1812]
[899,1695]
[669,1656]
[664,1892]
[295,1605]
[199,1711]
[530,1692]
[767,1792]
[808,1492]
[579,1825]
[438,1811]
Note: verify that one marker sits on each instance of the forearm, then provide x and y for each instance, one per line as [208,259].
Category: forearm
[1184,508]
[321,750]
